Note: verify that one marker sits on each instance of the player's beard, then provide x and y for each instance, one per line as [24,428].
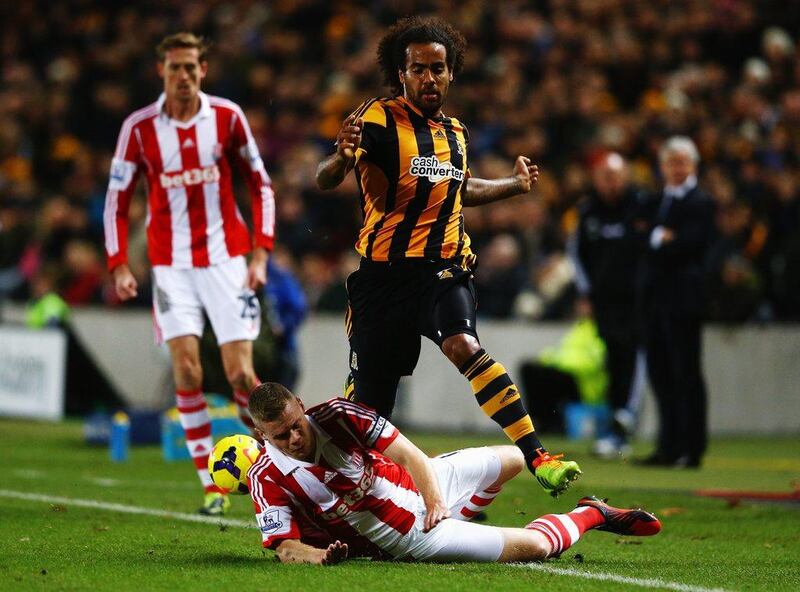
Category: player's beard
[430,105]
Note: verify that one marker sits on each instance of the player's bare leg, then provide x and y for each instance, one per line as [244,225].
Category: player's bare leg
[520,544]
[193,412]
[500,399]
[237,360]
[186,368]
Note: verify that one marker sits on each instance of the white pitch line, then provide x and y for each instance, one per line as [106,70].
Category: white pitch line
[82,503]
[543,567]
[102,481]
[610,577]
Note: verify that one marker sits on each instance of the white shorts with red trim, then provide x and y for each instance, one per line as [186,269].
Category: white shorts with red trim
[461,475]
[181,295]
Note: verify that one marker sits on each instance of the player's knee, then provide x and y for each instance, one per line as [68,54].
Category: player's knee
[459,348]
[512,461]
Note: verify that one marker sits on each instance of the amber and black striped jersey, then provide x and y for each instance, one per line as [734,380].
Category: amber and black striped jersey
[411,172]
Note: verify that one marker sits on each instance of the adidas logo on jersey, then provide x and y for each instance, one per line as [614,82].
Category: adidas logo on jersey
[433,170]
[328,476]
[187,178]
[187,143]
[439,134]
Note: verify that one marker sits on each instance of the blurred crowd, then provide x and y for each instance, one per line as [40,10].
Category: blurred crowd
[562,81]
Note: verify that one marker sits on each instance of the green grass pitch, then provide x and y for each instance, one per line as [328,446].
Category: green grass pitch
[54,543]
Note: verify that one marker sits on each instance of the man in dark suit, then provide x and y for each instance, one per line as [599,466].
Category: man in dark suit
[606,250]
[681,222]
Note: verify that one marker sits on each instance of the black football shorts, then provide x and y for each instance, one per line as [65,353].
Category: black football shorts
[391,305]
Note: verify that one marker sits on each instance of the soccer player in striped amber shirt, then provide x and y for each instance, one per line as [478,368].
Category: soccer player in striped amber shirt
[416,274]
[186,144]
[339,480]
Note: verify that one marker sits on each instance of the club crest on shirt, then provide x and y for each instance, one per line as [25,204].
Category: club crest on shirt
[217,151]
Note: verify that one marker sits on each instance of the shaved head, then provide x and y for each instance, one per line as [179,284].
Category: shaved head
[610,177]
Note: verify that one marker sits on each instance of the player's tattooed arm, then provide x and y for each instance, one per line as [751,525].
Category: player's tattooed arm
[332,171]
[294,551]
[482,191]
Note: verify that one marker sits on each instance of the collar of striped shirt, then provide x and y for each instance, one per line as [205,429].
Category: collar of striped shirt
[205,110]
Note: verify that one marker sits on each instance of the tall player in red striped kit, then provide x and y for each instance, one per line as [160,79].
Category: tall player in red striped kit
[186,144]
[339,480]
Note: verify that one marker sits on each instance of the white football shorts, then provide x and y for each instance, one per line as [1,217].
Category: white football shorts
[461,475]
[181,295]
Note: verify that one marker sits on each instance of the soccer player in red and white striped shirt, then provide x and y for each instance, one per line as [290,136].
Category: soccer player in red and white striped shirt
[339,480]
[187,144]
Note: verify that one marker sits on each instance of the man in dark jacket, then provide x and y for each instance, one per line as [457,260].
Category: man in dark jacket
[608,256]
[681,222]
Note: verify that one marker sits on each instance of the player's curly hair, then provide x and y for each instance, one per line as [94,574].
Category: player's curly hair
[415,29]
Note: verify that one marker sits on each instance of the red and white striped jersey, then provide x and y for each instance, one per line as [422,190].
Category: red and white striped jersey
[352,492]
[192,217]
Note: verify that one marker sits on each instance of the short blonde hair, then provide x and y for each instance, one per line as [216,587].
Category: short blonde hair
[268,400]
[183,39]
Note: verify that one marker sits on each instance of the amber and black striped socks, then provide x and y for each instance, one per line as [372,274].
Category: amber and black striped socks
[500,399]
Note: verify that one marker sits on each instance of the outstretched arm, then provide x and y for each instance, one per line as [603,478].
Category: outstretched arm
[406,454]
[293,551]
[482,191]
[332,171]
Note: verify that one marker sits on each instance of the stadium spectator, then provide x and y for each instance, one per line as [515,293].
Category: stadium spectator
[416,272]
[339,480]
[16,222]
[738,264]
[563,79]
[502,276]
[187,143]
[681,220]
[570,372]
[286,309]
[608,253]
